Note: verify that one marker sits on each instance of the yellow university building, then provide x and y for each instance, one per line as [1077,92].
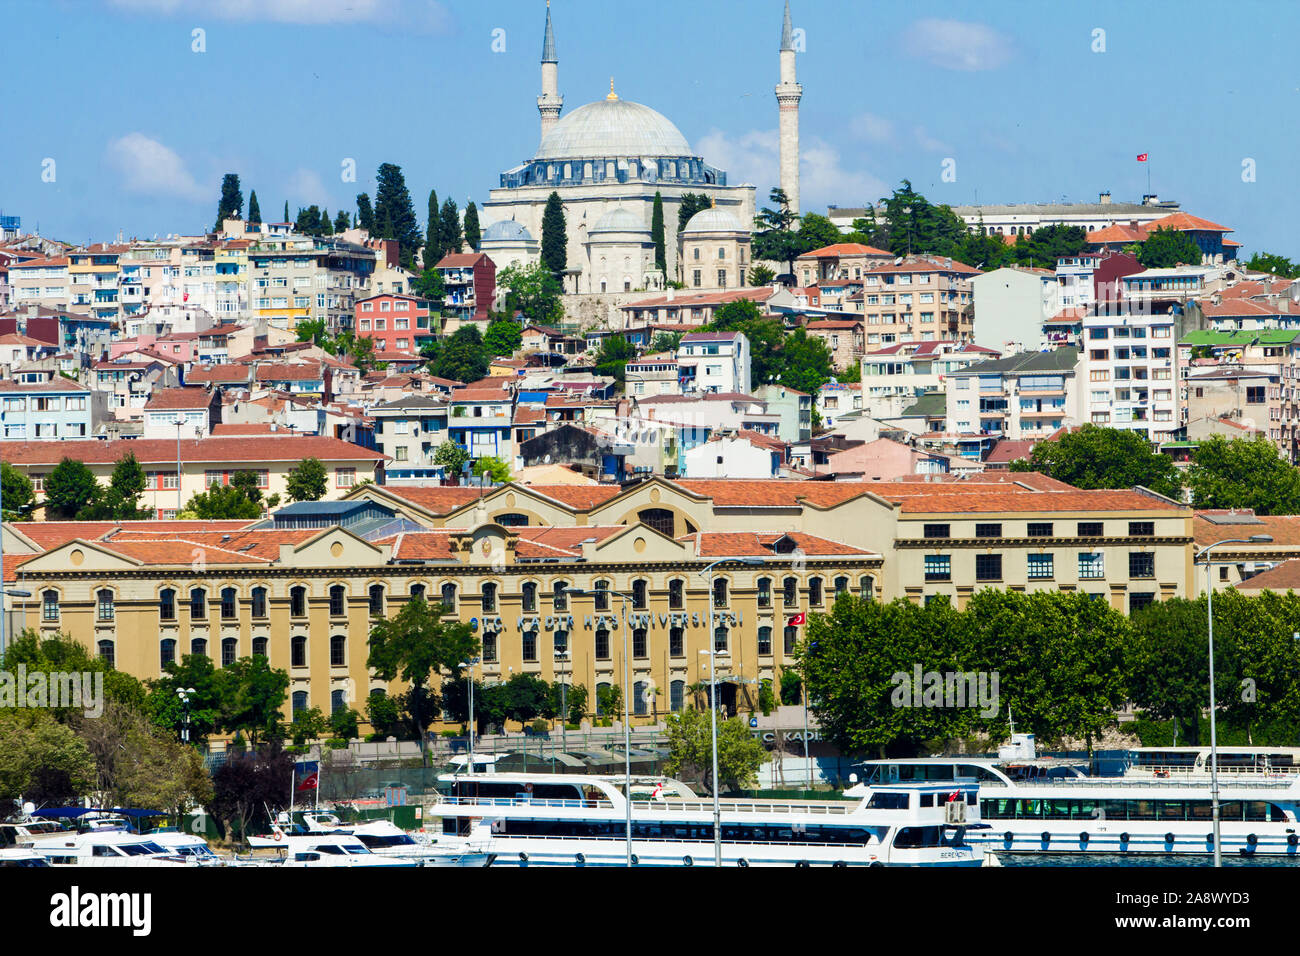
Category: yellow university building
[673,568]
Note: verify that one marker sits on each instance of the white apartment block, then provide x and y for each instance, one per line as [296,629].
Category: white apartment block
[1130,372]
[893,378]
[1024,396]
[714,362]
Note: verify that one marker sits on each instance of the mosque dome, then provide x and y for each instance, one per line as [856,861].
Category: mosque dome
[713,219]
[612,128]
[507,230]
[618,219]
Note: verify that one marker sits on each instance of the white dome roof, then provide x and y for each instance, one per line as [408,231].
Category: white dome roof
[506,230]
[613,128]
[713,219]
[619,219]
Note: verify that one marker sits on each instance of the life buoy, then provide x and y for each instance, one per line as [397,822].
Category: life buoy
[1046,837]
[687,861]
[1169,837]
[1123,838]
[1251,839]
[278,836]
[528,788]
[1083,836]
[1292,839]
[580,858]
[743,862]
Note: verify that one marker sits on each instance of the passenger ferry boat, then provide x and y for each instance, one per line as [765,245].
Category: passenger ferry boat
[1193,763]
[1068,812]
[580,820]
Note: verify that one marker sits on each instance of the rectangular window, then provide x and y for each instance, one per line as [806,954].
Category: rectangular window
[529,649]
[938,567]
[1040,566]
[1141,529]
[50,606]
[1141,564]
[1092,565]
[1139,599]
[988,567]
[1090,529]
[988,531]
[936,531]
[602,645]
[1039,529]
[345,477]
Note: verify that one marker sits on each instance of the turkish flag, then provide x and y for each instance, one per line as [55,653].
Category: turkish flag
[798,619]
[1142,157]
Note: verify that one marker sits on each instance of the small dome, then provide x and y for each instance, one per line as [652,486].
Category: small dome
[613,128]
[713,219]
[618,219]
[508,230]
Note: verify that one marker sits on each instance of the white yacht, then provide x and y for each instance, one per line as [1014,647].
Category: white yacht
[327,848]
[1027,811]
[188,845]
[108,848]
[387,839]
[26,833]
[21,856]
[580,820]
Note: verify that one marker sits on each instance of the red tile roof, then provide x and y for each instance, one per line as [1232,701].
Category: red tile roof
[715,544]
[179,398]
[163,450]
[841,250]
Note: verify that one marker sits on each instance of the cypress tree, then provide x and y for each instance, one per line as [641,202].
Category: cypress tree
[341,221]
[231,204]
[433,244]
[365,214]
[254,211]
[473,234]
[286,210]
[449,226]
[657,234]
[555,245]
[393,205]
[326,223]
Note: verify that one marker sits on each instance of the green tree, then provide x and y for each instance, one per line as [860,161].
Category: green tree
[314,331]
[914,226]
[530,697]
[326,227]
[568,701]
[306,481]
[1243,473]
[1168,664]
[851,375]
[804,362]
[1269,262]
[816,232]
[286,211]
[341,222]
[62,653]
[462,357]
[555,243]
[449,226]
[496,469]
[533,292]
[791,686]
[433,244]
[688,206]
[1166,248]
[308,724]
[17,491]
[345,723]
[395,214]
[41,759]
[254,210]
[1095,457]
[428,285]
[689,737]
[68,489]
[365,214]
[503,337]
[609,700]
[615,352]
[385,714]
[775,237]
[223,502]
[473,231]
[760,276]
[121,500]
[251,695]
[657,233]
[451,456]
[416,644]
[231,204]
[206,704]
[666,341]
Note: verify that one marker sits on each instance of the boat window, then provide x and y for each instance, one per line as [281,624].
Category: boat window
[330,849]
[104,851]
[885,800]
[376,842]
[305,857]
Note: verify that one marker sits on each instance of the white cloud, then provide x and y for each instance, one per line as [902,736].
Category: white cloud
[306,187]
[754,157]
[872,128]
[929,143]
[418,16]
[147,166]
[957,45]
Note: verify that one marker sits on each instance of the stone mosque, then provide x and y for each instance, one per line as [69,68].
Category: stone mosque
[606,160]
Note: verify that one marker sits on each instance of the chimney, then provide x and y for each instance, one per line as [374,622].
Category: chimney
[1104,199]
[671,293]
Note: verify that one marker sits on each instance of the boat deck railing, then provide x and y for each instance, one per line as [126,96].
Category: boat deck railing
[1276,783]
[827,808]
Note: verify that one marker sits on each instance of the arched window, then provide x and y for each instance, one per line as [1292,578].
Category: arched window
[790,592]
[298,601]
[166,604]
[602,645]
[676,594]
[764,592]
[639,589]
[765,640]
[660,519]
[639,703]
[602,694]
[229,604]
[199,647]
[841,585]
[676,642]
[198,604]
[299,701]
[417,590]
[298,651]
[49,605]
[560,596]
[259,602]
[512,520]
[107,653]
[791,636]
[866,588]
[166,652]
[529,649]
[229,651]
[601,598]
[490,647]
[105,609]
[338,600]
[529,597]
[449,596]
[719,592]
[259,647]
[815,591]
[720,638]
[677,695]
[640,646]
[338,701]
[561,643]
[338,650]
[376,600]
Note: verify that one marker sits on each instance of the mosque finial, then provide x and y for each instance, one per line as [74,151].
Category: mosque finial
[787,34]
[612,94]
[548,40]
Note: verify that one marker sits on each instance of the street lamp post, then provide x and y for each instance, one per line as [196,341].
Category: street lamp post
[1214,736]
[469,665]
[184,694]
[627,723]
[563,657]
[707,572]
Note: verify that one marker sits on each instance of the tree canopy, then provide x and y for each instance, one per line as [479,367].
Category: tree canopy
[1243,473]
[689,735]
[394,214]
[1096,457]
[1166,248]
[555,242]
[306,481]
[533,292]
[231,203]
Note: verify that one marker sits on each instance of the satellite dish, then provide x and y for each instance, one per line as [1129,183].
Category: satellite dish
[29,808]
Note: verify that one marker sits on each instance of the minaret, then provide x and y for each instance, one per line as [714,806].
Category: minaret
[550,102]
[788,93]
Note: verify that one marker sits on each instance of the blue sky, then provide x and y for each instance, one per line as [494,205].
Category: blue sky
[141,128]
